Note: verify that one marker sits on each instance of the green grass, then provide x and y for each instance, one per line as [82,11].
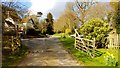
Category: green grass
[58,34]
[82,57]
[14,58]
[62,35]
[111,51]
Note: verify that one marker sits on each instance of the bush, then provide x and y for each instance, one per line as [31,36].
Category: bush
[67,31]
[97,29]
[64,35]
[110,60]
[32,32]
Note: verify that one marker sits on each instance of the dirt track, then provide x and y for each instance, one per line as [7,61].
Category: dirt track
[47,52]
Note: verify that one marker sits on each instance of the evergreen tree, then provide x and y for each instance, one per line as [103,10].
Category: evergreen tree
[116,16]
[49,21]
[50,17]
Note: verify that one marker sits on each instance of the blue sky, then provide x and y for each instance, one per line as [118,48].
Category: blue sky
[46,6]
[53,6]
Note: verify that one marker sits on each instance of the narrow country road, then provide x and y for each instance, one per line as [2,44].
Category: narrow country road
[47,52]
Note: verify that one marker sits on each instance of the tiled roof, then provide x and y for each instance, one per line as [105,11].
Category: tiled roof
[25,20]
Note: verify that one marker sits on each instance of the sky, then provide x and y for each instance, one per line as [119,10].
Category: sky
[46,6]
[53,6]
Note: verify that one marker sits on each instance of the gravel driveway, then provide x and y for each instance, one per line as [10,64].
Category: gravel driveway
[47,52]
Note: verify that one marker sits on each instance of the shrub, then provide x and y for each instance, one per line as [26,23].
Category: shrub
[67,31]
[32,32]
[95,28]
[110,59]
[64,35]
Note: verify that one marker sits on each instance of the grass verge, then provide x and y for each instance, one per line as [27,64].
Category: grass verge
[12,59]
[82,57]
[59,34]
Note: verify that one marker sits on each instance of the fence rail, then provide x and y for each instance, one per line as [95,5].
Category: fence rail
[11,42]
[84,44]
[113,41]
[11,39]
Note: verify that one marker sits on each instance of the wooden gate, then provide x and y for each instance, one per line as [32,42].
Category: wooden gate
[11,43]
[84,44]
[11,37]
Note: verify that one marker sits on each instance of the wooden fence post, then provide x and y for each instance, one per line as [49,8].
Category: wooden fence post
[84,44]
[12,44]
[94,48]
[94,43]
[75,39]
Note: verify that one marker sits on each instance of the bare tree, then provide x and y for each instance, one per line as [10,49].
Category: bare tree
[101,10]
[67,19]
[81,9]
[20,8]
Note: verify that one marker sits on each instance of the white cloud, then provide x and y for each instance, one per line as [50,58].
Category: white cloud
[42,5]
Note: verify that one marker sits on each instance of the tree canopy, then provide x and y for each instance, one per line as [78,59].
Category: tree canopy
[95,28]
[49,21]
[67,20]
[116,15]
